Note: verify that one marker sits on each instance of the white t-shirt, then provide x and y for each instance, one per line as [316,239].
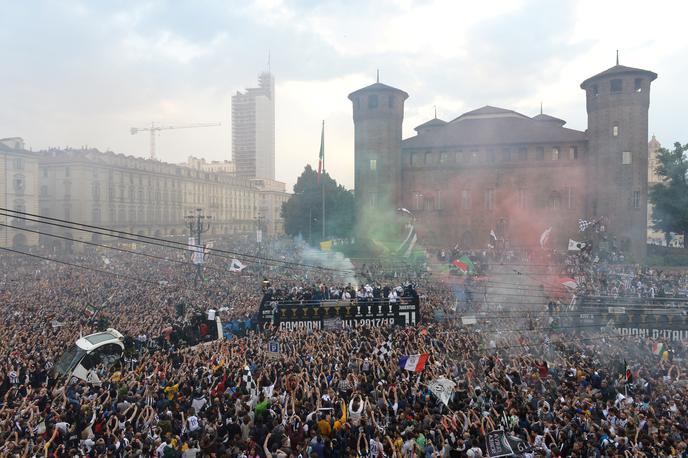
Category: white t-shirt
[374,448]
[193,423]
[161,449]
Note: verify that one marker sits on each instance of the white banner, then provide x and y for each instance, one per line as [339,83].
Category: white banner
[442,388]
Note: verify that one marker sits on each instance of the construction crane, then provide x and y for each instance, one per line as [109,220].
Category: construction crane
[153,129]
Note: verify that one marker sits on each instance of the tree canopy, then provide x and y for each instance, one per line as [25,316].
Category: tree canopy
[670,197]
[302,213]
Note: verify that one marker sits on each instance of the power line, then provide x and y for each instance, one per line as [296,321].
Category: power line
[223,270]
[79,266]
[128,235]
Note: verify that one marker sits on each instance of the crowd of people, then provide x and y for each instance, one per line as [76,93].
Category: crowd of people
[322,393]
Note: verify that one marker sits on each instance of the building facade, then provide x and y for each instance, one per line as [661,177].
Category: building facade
[210,166]
[142,196]
[18,191]
[271,196]
[496,169]
[253,129]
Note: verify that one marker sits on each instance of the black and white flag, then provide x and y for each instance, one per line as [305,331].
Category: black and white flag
[236,266]
[383,351]
[249,383]
[442,388]
[576,246]
[583,224]
[499,444]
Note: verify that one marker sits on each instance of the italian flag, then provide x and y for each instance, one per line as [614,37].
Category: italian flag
[413,363]
[464,264]
[658,348]
[90,310]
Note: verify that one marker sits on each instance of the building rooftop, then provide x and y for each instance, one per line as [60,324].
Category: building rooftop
[619,70]
[547,118]
[378,86]
[493,125]
[489,112]
[435,122]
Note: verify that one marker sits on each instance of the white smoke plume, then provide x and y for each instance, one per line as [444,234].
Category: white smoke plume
[343,269]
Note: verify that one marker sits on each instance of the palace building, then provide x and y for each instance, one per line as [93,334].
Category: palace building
[496,169]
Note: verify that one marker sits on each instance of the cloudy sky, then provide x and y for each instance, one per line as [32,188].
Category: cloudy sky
[79,73]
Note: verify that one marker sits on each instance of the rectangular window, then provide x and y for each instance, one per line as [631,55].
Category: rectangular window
[626,157]
[491,155]
[522,154]
[554,201]
[417,200]
[372,101]
[473,155]
[19,164]
[489,199]
[428,158]
[540,153]
[373,199]
[443,158]
[616,86]
[573,153]
[636,199]
[466,199]
[44,191]
[595,90]
[373,165]
[615,130]
[438,200]
[638,85]
[570,196]
[415,158]
[522,198]
[506,154]
[555,153]
[460,157]
[428,203]
[45,173]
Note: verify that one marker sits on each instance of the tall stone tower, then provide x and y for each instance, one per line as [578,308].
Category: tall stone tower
[617,102]
[378,115]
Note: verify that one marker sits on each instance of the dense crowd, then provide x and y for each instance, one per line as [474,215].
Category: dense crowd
[325,393]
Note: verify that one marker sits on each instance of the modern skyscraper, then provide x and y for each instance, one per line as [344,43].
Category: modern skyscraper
[253,129]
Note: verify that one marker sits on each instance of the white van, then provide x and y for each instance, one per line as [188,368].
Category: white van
[82,359]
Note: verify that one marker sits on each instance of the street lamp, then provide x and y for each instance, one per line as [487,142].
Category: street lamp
[198,223]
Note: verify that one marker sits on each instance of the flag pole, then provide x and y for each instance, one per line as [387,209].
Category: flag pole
[322,182]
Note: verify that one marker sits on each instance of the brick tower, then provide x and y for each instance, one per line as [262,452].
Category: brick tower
[378,112]
[617,102]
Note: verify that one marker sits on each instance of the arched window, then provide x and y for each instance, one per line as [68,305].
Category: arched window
[615,129]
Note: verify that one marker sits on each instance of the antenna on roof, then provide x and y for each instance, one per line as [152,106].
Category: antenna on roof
[617,57]
[378,75]
[435,111]
[540,107]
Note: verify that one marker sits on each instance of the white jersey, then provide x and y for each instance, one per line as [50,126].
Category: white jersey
[193,423]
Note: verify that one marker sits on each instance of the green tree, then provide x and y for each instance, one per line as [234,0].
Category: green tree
[302,213]
[670,197]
